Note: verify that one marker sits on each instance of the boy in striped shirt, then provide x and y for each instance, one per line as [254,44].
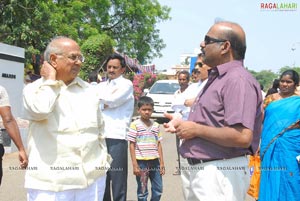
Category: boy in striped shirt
[146,151]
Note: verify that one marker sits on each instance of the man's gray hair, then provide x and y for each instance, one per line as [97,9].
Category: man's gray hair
[53,48]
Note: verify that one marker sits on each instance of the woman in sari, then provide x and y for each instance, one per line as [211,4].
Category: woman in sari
[280,143]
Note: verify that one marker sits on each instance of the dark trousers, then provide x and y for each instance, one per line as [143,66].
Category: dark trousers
[1,155]
[178,154]
[117,174]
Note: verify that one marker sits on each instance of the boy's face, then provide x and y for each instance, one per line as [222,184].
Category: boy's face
[145,111]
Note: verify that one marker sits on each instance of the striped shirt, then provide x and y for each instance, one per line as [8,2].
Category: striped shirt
[146,139]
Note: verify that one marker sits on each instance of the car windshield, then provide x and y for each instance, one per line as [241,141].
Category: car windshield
[164,88]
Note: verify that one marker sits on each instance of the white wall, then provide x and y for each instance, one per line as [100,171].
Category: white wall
[12,75]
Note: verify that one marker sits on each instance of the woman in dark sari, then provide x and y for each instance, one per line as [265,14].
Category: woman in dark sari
[280,142]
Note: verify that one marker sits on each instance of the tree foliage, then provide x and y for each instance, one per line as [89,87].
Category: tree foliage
[132,24]
[128,25]
[23,25]
[297,69]
[266,77]
[95,49]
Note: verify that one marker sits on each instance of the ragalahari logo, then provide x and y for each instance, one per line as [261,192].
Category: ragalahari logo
[278,6]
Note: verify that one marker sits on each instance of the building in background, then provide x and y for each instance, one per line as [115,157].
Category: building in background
[12,60]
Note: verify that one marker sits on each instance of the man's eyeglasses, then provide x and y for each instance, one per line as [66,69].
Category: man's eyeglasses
[74,57]
[210,40]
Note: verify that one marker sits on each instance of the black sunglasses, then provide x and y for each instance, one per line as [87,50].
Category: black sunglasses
[210,40]
[199,64]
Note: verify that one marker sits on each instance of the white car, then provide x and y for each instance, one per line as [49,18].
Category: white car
[162,93]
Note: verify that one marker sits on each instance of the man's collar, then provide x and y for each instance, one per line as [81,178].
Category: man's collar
[79,82]
[223,68]
[116,79]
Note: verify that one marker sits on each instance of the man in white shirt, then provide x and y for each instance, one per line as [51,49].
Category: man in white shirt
[193,90]
[190,95]
[178,107]
[179,95]
[67,152]
[117,103]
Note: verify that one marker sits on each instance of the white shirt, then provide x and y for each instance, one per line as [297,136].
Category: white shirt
[118,95]
[4,99]
[191,92]
[65,143]
[178,104]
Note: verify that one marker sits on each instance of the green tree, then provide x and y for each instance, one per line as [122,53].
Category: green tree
[131,24]
[95,50]
[281,70]
[265,78]
[26,24]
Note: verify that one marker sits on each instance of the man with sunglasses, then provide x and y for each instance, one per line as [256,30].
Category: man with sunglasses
[225,120]
[193,90]
[189,97]
[178,106]
[195,77]
[68,157]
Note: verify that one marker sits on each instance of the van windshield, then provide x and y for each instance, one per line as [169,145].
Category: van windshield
[164,88]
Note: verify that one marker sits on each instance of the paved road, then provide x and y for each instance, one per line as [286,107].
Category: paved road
[13,180]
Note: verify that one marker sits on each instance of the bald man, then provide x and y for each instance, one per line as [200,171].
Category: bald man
[224,123]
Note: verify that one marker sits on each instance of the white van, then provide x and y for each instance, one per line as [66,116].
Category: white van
[162,93]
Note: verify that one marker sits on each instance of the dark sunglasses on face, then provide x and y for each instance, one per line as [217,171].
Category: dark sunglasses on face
[199,64]
[210,40]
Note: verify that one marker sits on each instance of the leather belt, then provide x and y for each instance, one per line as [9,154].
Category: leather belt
[193,161]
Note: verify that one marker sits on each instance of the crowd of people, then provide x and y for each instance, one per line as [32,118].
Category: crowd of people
[79,132]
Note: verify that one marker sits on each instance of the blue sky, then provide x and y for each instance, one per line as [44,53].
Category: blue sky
[270,35]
